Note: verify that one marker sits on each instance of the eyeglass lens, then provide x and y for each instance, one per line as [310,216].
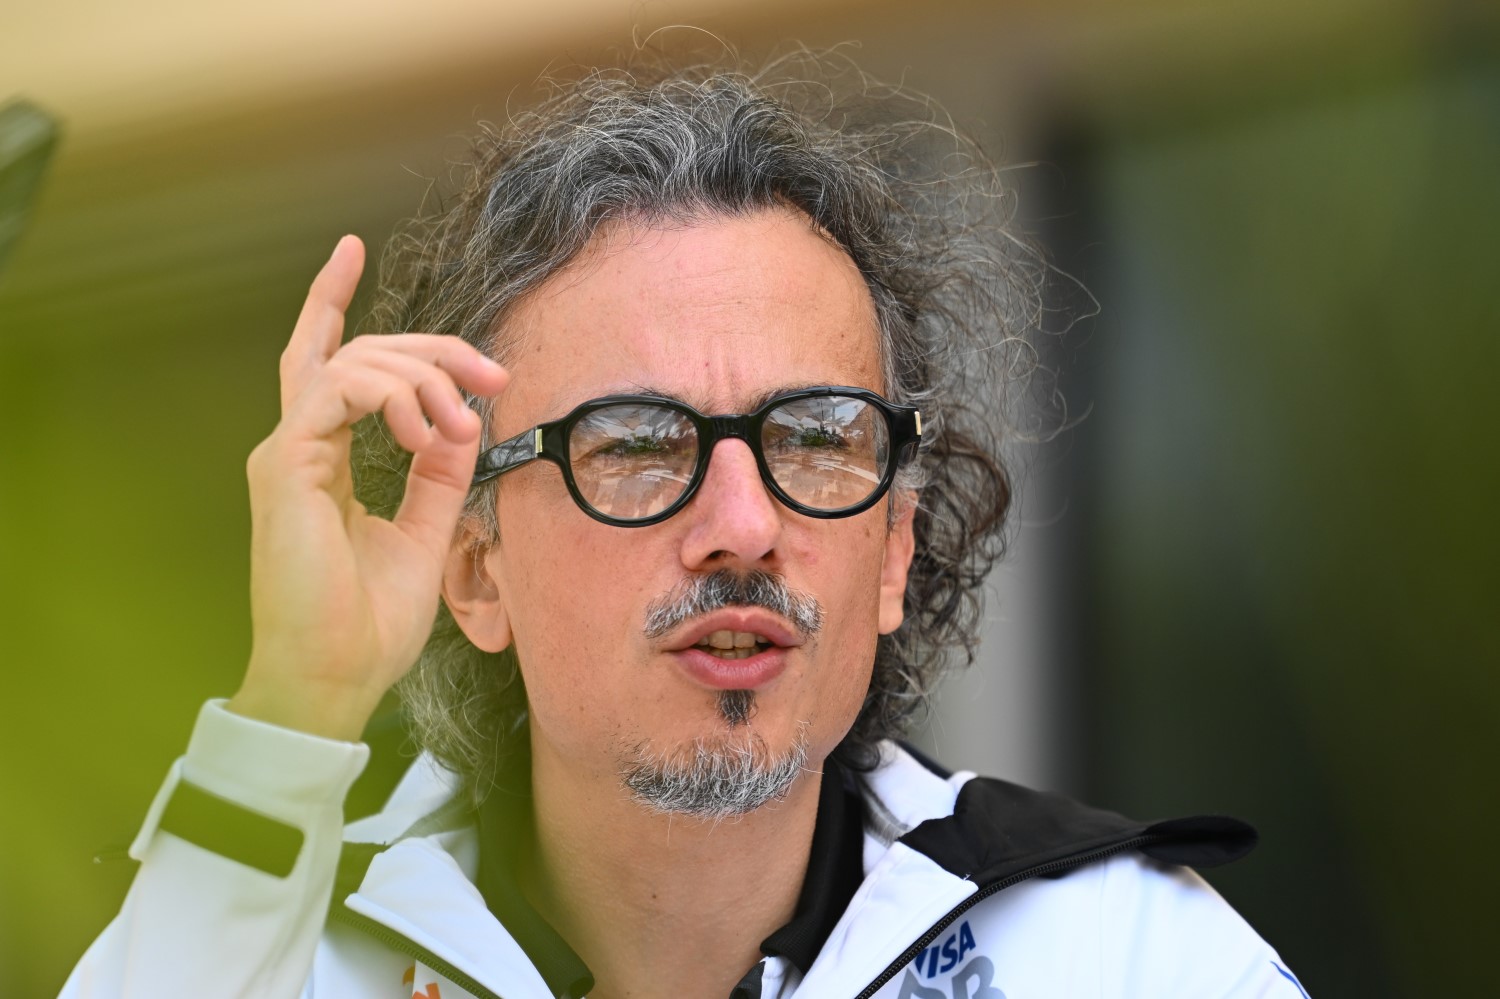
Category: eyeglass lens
[633,460]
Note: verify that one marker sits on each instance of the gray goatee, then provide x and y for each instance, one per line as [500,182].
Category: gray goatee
[717,779]
[714,780]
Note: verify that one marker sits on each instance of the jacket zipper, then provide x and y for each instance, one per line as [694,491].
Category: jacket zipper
[1041,870]
[342,913]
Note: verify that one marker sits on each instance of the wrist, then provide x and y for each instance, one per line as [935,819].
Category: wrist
[340,715]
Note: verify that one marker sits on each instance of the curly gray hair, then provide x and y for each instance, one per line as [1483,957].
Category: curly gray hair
[917,207]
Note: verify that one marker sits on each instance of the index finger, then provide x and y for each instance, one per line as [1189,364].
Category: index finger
[320,325]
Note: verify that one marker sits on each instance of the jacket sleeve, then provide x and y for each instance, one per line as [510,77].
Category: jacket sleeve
[1184,940]
[238,855]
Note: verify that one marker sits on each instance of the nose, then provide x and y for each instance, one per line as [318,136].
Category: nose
[733,518]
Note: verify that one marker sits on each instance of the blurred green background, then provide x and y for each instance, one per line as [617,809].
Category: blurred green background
[1259,577]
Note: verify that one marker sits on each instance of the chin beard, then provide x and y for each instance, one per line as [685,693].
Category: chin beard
[713,778]
[736,706]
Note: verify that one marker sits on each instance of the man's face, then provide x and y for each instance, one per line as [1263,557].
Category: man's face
[720,315]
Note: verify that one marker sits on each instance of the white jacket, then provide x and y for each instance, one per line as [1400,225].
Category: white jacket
[1058,901]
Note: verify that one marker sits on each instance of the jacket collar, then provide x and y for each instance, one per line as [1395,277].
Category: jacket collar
[947,841]
[418,890]
[933,845]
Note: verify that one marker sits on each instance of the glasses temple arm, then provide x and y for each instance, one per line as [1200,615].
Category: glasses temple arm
[507,455]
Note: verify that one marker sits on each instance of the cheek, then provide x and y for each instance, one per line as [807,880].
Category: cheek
[840,693]
[576,599]
[851,606]
[560,568]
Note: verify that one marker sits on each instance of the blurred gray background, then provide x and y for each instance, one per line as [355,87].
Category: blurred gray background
[1257,575]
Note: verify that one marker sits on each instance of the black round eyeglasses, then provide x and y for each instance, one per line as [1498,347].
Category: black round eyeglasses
[634,460]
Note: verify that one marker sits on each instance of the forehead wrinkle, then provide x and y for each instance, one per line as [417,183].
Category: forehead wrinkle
[707,409]
[562,406]
[712,393]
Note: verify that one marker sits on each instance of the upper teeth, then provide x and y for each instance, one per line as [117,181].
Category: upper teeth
[732,640]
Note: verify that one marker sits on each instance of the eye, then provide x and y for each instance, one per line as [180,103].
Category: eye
[633,447]
[823,437]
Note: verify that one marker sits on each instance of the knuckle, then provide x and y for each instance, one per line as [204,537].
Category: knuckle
[258,458]
[435,379]
[345,362]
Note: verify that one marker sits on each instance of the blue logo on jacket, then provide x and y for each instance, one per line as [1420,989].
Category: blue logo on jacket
[973,980]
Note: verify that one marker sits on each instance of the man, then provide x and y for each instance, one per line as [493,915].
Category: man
[701,545]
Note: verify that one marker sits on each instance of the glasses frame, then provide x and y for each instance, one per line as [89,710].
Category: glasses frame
[550,441]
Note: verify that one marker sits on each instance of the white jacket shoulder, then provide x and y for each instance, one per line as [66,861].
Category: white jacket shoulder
[1126,928]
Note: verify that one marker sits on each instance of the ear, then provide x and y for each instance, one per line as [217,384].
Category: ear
[900,543]
[471,592]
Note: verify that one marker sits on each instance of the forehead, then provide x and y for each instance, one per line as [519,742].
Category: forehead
[718,313]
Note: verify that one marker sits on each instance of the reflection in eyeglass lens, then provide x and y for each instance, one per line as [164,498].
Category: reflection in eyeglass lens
[632,460]
[826,452]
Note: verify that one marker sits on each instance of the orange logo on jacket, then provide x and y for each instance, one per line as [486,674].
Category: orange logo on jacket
[431,991]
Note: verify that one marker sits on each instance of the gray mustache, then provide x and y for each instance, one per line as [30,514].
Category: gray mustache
[699,595]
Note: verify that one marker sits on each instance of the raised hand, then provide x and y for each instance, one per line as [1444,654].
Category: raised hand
[343,601]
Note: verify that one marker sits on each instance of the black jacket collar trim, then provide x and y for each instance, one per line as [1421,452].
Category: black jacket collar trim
[835,869]
[1000,830]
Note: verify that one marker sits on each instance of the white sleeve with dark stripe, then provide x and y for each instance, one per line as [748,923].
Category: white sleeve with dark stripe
[238,854]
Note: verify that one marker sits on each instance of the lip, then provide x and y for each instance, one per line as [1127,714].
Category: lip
[751,619]
[749,673]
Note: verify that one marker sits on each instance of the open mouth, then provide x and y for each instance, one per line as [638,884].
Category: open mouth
[733,644]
